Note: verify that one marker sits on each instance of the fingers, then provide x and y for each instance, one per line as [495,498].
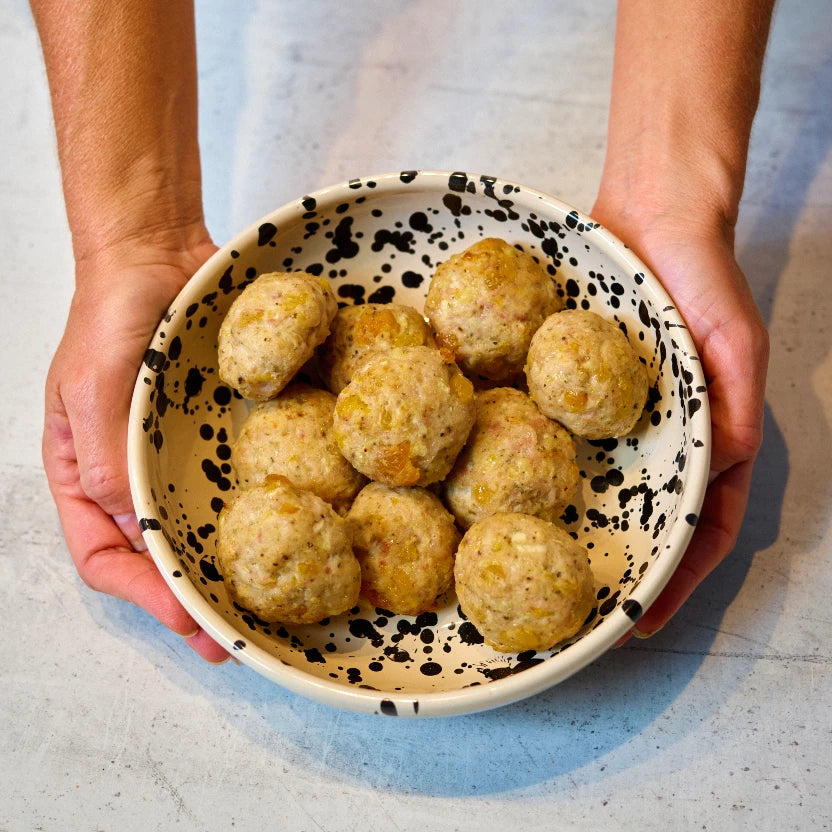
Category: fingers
[131,576]
[207,648]
[714,537]
[100,549]
[735,359]
[100,439]
[106,563]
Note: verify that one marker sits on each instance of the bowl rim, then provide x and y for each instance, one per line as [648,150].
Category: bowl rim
[474,698]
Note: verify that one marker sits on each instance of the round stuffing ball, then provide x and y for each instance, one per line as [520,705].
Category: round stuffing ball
[405,541]
[515,459]
[583,372]
[523,582]
[272,329]
[486,303]
[292,436]
[405,416]
[285,554]
[359,330]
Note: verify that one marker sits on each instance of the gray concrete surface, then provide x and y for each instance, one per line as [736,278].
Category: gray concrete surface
[720,722]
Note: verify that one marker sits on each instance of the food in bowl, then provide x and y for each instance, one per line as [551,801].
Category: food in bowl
[486,302]
[523,582]
[286,555]
[271,330]
[515,459]
[405,416]
[583,372]
[358,331]
[291,436]
[405,541]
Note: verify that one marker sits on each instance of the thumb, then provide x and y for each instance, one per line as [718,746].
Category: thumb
[98,409]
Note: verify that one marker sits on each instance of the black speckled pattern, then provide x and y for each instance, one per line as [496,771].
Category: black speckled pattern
[377,248]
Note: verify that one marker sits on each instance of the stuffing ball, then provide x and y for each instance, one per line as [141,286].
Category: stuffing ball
[405,541]
[405,416]
[515,459]
[582,371]
[486,303]
[292,436]
[272,329]
[523,582]
[358,330]
[286,556]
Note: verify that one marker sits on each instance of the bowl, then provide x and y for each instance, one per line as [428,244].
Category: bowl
[379,239]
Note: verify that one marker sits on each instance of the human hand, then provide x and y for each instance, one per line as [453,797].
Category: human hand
[694,259]
[121,295]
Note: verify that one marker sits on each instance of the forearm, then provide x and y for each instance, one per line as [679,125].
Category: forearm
[686,84]
[122,77]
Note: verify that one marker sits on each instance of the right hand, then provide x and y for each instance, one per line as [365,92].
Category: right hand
[694,259]
[121,294]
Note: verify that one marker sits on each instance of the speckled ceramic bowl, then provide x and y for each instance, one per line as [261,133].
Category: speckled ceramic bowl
[379,239]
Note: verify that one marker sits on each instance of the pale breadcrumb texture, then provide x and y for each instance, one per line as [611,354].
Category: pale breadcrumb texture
[405,541]
[405,416]
[485,304]
[292,435]
[286,555]
[583,372]
[358,331]
[272,329]
[523,582]
[515,459]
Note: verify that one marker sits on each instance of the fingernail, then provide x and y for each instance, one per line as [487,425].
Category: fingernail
[126,522]
[128,525]
[642,635]
[191,635]
[221,661]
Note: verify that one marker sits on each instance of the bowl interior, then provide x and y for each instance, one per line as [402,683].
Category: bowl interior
[378,240]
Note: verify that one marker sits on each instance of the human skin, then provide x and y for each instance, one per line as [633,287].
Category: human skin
[123,83]
[686,83]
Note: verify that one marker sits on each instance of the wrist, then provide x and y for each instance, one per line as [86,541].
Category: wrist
[161,259]
[656,180]
[142,240]
[154,203]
